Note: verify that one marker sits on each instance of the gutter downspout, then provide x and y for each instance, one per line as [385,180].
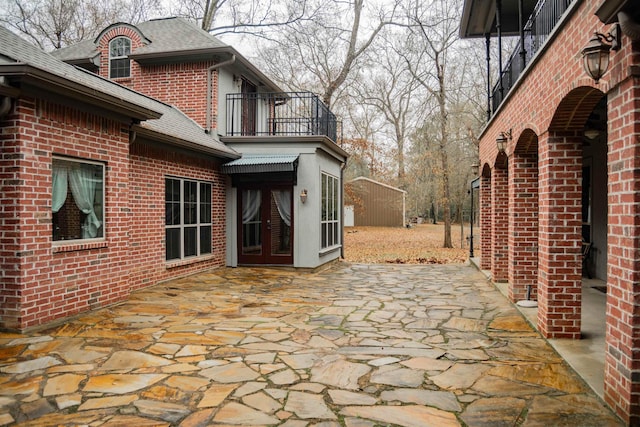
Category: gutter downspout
[210,88]
[342,167]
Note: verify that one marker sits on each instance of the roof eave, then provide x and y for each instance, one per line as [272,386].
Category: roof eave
[608,11]
[326,142]
[154,136]
[471,11]
[54,83]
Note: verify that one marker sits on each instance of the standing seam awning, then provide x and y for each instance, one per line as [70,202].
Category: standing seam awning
[262,163]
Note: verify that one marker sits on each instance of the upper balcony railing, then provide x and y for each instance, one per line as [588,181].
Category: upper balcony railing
[280,114]
[541,23]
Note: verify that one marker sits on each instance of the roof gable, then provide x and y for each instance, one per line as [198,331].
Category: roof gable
[378,183]
[24,62]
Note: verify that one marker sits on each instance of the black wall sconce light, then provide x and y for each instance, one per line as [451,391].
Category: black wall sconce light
[595,55]
[502,140]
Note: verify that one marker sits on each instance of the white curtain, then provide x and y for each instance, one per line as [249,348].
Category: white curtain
[60,187]
[83,187]
[283,203]
[250,204]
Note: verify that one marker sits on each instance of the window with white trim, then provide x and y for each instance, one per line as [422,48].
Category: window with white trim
[119,63]
[188,222]
[329,215]
[77,199]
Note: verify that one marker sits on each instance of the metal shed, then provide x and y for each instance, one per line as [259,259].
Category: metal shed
[375,204]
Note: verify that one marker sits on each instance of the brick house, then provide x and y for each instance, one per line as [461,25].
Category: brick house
[143,155]
[567,177]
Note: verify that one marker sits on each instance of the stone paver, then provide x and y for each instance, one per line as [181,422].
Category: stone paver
[351,346]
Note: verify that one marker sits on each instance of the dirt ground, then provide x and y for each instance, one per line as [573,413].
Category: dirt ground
[421,244]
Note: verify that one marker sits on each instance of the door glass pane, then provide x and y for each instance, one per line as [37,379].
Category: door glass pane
[280,222]
[251,222]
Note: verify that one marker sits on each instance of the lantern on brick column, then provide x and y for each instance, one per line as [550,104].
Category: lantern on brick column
[502,140]
[595,55]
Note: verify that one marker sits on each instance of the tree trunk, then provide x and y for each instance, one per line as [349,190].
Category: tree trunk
[444,160]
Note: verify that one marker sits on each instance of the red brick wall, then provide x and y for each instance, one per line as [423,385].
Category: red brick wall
[485,223]
[499,225]
[149,167]
[560,227]
[523,225]
[554,99]
[622,369]
[42,280]
[45,281]
[183,85]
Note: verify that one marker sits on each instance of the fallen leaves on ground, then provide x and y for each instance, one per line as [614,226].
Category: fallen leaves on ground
[420,244]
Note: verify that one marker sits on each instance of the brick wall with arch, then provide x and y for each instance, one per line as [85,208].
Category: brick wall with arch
[555,98]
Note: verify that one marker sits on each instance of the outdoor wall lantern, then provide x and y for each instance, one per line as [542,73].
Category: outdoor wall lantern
[502,140]
[595,55]
[475,168]
[303,196]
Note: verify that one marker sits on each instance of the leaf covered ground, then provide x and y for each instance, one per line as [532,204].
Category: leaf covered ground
[421,244]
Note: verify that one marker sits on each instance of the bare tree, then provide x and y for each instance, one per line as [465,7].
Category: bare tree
[433,31]
[52,24]
[254,17]
[322,53]
[365,156]
[390,90]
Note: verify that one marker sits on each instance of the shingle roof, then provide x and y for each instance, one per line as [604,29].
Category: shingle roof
[82,50]
[184,132]
[165,35]
[19,51]
[174,34]
[173,126]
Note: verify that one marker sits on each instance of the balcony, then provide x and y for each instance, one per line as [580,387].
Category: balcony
[280,114]
[540,24]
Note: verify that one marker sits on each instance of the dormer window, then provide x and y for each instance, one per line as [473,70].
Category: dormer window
[119,64]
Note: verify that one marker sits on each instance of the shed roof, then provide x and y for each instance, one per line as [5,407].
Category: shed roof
[259,163]
[362,178]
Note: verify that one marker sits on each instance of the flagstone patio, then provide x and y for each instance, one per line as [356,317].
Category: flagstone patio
[354,346]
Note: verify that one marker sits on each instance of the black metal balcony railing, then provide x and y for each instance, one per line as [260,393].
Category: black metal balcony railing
[279,114]
[541,23]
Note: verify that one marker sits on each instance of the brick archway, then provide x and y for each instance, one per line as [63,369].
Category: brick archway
[560,215]
[523,218]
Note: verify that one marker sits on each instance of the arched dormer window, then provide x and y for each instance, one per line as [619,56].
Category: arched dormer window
[119,64]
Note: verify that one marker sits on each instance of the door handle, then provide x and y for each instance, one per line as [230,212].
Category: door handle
[268,224]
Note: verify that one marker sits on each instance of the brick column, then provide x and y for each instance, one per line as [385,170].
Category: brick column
[499,225]
[523,225]
[622,360]
[560,225]
[485,223]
